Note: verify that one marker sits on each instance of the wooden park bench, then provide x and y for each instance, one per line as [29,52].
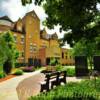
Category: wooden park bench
[53,79]
[61,77]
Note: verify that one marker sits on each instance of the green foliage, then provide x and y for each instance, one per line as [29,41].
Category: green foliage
[87,48]
[24,2]
[84,47]
[59,68]
[72,91]
[97,41]
[8,51]
[71,72]
[85,23]
[18,72]
[2,75]
[53,61]
[85,13]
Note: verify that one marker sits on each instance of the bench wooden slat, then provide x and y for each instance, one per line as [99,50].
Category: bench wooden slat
[54,78]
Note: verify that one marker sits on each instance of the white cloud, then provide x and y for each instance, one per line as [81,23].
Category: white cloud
[15,10]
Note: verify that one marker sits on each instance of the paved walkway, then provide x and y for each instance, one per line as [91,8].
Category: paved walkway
[8,88]
[30,86]
[22,87]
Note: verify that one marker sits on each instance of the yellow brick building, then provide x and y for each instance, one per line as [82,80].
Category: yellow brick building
[36,46]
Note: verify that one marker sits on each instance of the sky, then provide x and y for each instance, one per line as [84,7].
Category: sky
[14,10]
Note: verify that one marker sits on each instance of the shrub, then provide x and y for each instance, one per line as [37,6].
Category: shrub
[59,68]
[72,91]
[18,72]
[17,65]
[28,69]
[70,72]
[53,61]
[2,75]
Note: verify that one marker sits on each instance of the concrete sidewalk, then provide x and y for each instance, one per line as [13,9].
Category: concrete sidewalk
[30,86]
[8,88]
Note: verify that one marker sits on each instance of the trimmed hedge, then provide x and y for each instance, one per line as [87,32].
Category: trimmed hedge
[18,72]
[71,72]
[2,74]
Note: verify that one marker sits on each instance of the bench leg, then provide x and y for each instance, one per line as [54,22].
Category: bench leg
[47,88]
[52,84]
[65,80]
[41,88]
[44,87]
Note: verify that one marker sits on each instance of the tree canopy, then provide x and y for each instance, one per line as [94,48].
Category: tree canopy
[81,17]
[87,48]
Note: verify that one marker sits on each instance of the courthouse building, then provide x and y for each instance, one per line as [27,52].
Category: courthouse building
[35,46]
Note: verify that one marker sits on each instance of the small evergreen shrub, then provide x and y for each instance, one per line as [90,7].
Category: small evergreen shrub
[71,72]
[59,68]
[2,74]
[18,65]
[18,72]
[53,62]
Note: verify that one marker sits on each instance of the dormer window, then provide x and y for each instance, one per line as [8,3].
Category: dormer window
[19,28]
[33,15]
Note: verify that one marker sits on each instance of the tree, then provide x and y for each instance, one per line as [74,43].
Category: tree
[8,51]
[87,48]
[3,52]
[24,2]
[73,15]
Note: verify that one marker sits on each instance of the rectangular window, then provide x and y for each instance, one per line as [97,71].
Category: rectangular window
[22,39]
[43,46]
[31,47]
[15,38]
[22,54]
[62,55]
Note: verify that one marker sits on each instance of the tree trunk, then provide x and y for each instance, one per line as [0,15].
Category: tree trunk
[7,66]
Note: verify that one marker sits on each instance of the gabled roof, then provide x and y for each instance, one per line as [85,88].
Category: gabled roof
[54,36]
[6,18]
[15,29]
[44,36]
[33,12]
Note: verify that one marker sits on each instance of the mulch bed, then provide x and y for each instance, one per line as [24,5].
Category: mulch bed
[6,78]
